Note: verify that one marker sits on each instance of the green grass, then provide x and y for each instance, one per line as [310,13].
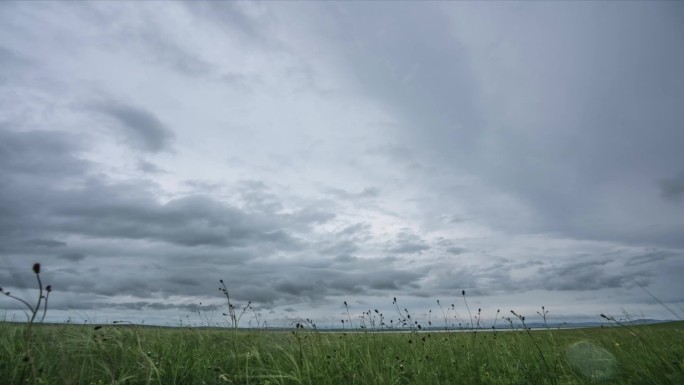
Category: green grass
[70,354]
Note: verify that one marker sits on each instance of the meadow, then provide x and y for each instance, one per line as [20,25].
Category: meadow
[619,352]
[119,354]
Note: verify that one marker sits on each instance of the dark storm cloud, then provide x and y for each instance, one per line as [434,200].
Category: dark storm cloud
[141,128]
[672,189]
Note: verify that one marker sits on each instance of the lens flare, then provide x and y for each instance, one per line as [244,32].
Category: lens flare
[591,361]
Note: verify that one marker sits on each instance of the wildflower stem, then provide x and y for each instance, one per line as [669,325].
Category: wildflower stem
[40,297]
[467,307]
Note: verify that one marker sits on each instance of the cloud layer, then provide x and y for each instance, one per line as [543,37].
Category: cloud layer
[310,154]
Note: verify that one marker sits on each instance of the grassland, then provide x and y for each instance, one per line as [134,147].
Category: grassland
[620,353]
[115,354]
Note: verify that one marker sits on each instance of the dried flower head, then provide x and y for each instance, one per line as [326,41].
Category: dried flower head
[36,268]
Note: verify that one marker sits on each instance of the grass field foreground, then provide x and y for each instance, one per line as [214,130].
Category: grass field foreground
[118,354]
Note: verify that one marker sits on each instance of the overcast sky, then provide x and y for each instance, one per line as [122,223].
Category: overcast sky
[314,153]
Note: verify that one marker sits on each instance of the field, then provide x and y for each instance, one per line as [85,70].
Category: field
[120,354]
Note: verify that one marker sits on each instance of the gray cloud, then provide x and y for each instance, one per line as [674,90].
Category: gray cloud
[587,275]
[11,62]
[256,195]
[335,282]
[203,185]
[653,256]
[141,128]
[508,276]
[341,248]
[45,243]
[357,230]
[40,154]
[74,257]
[193,233]
[368,192]
[500,118]
[312,215]
[189,221]
[455,250]
[146,39]
[164,52]
[241,81]
[672,189]
[236,19]
[434,134]
[408,243]
[408,248]
[149,167]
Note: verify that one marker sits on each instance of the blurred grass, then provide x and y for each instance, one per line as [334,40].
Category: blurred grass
[116,354]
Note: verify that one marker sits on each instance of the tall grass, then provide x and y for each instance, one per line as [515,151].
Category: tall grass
[118,354]
[619,353]
[27,362]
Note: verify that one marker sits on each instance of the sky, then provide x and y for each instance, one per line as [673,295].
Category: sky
[312,153]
